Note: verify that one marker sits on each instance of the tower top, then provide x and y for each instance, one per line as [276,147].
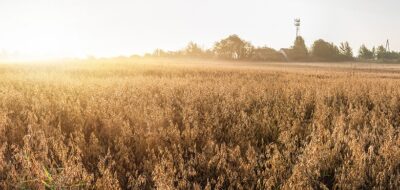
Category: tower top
[297,22]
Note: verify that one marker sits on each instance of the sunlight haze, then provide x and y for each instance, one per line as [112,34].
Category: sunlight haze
[103,28]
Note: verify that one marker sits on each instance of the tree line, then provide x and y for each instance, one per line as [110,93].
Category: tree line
[235,48]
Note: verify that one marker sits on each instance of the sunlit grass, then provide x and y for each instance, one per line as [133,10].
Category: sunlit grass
[199,124]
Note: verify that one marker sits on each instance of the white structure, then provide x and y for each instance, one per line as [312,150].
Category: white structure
[297,24]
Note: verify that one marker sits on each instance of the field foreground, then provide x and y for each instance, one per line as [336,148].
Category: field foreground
[164,124]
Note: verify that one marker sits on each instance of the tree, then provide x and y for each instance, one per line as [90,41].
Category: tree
[381,53]
[193,50]
[266,54]
[233,47]
[345,51]
[325,51]
[299,52]
[159,53]
[365,53]
[373,51]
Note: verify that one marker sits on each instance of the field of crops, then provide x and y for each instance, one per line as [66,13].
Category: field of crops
[181,124]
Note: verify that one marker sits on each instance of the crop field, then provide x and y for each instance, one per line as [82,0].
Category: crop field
[198,124]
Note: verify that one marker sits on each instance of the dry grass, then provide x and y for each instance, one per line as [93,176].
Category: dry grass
[155,124]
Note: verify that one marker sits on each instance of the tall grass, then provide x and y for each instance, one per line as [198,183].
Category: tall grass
[196,126]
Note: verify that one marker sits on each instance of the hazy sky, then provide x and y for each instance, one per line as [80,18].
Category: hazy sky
[125,27]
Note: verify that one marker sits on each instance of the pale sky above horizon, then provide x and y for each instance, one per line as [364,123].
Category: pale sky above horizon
[102,28]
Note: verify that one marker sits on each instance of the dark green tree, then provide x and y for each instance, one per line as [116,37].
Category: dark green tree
[266,54]
[299,52]
[384,55]
[365,53]
[346,51]
[381,53]
[325,51]
[233,47]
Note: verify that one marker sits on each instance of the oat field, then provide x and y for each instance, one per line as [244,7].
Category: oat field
[182,124]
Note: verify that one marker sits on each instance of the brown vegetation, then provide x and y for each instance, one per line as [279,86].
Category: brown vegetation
[197,126]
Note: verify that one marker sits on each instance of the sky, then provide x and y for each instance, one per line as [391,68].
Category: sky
[105,28]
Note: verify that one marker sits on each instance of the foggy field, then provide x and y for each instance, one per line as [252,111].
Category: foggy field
[199,124]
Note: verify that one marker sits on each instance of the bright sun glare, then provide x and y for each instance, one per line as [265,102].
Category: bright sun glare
[42,43]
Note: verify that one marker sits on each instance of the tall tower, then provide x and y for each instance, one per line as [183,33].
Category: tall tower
[387,45]
[297,24]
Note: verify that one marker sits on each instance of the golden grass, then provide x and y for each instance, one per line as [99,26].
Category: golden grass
[180,124]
